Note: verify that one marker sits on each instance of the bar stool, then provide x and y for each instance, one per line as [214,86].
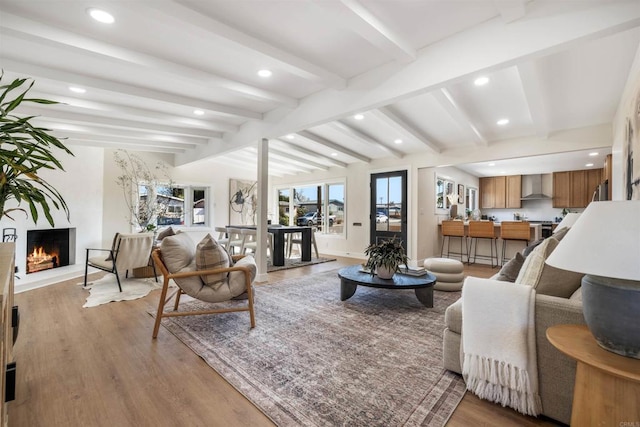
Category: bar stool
[518,231]
[452,228]
[483,230]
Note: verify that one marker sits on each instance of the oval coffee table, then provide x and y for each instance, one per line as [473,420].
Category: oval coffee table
[351,277]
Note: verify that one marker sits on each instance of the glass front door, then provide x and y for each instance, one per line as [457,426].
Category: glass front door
[389,206]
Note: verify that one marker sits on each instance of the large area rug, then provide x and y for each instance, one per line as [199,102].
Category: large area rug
[295,263]
[106,290]
[313,360]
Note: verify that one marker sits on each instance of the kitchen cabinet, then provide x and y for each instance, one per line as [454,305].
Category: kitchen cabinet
[513,191]
[578,197]
[500,192]
[561,189]
[574,189]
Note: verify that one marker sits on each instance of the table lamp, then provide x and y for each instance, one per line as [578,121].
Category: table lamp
[604,244]
[568,221]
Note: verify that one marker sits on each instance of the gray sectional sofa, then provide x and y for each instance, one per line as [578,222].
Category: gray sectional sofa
[558,301]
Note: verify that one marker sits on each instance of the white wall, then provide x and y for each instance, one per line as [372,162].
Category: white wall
[428,241]
[81,187]
[625,110]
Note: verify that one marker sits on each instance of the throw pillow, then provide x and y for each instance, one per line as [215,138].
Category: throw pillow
[177,251]
[166,233]
[509,271]
[545,279]
[531,247]
[210,255]
[532,268]
[237,284]
[558,235]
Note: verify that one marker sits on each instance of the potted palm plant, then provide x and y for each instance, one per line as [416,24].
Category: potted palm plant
[25,150]
[385,257]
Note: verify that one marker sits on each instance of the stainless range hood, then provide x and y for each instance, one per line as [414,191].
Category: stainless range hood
[532,188]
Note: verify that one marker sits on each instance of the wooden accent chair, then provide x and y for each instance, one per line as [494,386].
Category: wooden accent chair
[449,229]
[176,259]
[518,231]
[127,252]
[483,230]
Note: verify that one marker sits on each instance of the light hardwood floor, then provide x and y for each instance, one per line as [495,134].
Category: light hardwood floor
[99,367]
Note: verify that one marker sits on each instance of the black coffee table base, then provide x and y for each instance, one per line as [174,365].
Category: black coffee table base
[351,277]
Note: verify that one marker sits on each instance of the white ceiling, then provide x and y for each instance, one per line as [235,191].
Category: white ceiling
[408,66]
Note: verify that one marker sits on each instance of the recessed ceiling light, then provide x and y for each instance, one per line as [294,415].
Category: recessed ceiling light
[593,154]
[481,81]
[398,141]
[589,165]
[101,15]
[492,164]
[502,122]
[334,154]
[290,136]
[358,117]
[265,73]
[198,112]
[503,172]
[77,89]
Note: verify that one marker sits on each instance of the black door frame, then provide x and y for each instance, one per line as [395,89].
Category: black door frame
[374,234]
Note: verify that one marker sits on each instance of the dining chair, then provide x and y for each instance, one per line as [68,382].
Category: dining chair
[222,239]
[235,240]
[296,239]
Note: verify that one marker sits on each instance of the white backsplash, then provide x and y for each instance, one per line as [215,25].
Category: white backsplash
[536,210]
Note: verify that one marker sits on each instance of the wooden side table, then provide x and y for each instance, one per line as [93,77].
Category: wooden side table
[607,387]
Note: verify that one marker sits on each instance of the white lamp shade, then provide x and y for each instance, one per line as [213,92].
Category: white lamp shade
[604,241]
[567,221]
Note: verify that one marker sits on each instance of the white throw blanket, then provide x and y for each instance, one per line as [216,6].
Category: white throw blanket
[499,343]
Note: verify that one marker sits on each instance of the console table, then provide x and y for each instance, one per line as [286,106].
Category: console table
[7,367]
[607,387]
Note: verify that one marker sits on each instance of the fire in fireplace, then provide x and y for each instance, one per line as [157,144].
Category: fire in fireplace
[39,259]
[47,249]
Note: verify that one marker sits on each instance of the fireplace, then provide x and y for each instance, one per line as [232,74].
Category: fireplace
[52,248]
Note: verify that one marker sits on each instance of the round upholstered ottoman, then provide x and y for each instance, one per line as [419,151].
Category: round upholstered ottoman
[449,273]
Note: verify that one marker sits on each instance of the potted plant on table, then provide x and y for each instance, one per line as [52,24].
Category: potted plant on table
[385,257]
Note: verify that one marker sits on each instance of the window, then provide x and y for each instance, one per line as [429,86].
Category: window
[444,188]
[471,201]
[177,205]
[321,206]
